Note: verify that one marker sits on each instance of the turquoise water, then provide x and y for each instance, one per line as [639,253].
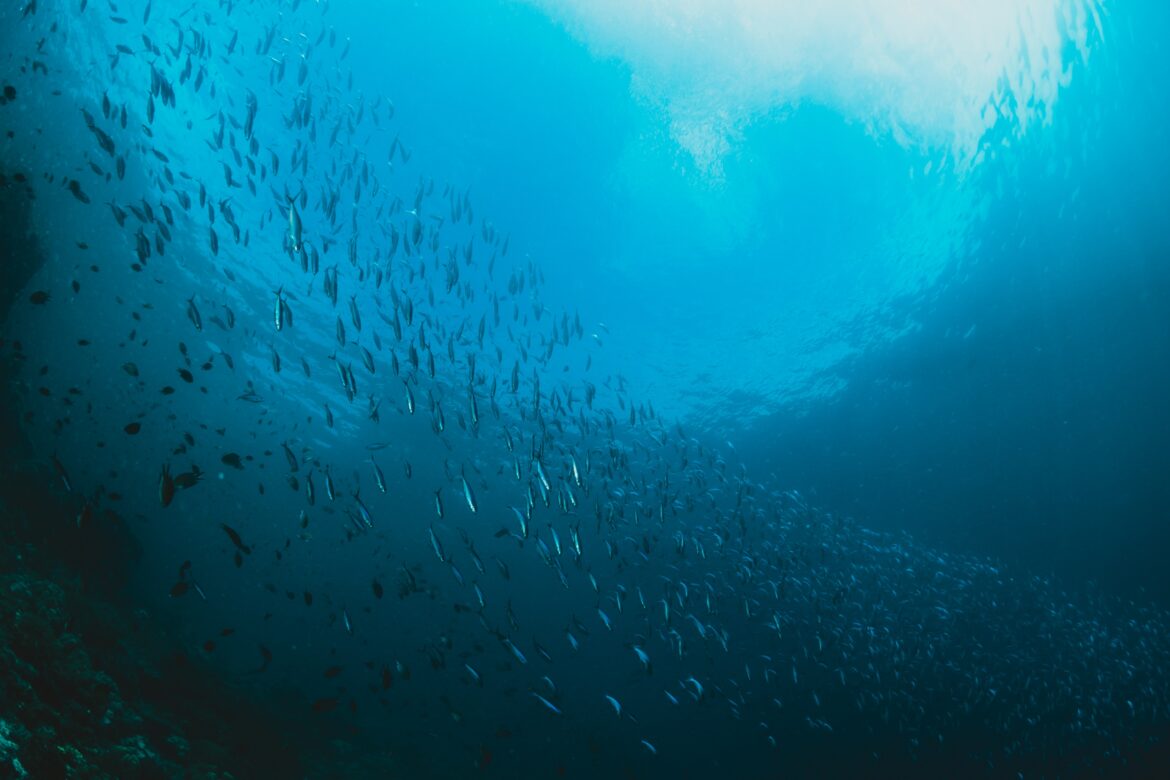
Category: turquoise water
[794,376]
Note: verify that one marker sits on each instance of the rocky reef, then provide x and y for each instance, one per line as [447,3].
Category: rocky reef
[92,688]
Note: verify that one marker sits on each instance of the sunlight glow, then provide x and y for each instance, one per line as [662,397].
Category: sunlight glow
[934,75]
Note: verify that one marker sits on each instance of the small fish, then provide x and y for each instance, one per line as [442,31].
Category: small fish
[63,474]
[289,456]
[546,703]
[330,493]
[541,651]
[354,314]
[543,477]
[166,487]
[515,651]
[469,495]
[436,545]
[367,518]
[193,314]
[281,313]
[75,188]
[234,536]
[188,479]
[294,226]
[523,519]
[379,478]
[644,658]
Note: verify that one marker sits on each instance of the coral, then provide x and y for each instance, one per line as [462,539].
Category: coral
[93,690]
[133,758]
[11,736]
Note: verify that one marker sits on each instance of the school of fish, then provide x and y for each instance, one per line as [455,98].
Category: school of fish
[361,440]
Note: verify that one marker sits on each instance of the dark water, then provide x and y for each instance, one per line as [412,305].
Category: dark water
[590,390]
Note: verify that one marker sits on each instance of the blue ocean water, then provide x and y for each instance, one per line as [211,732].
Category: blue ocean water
[602,389]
